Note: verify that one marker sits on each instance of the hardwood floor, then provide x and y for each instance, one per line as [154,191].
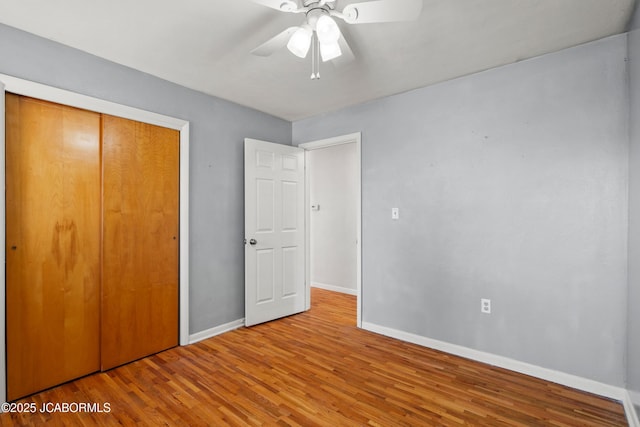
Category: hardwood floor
[316,369]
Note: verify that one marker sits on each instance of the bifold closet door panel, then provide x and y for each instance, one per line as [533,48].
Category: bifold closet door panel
[140,240]
[52,244]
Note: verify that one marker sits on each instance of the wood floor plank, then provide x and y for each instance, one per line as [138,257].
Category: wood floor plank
[318,369]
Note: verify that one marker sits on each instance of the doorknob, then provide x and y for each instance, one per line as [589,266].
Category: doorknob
[253,242]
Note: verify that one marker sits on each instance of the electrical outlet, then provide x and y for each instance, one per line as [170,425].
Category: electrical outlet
[395,213]
[485,305]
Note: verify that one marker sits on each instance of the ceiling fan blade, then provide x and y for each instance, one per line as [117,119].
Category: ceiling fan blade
[347,54]
[282,5]
[382,11]
[273,44]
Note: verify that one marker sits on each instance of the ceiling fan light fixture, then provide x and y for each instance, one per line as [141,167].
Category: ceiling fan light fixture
[300,42]
[327,29]
[330,51]
[320,33]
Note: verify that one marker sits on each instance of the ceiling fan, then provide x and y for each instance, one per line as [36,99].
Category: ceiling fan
[321,34]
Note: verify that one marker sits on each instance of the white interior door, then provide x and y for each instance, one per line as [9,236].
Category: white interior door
[274,223]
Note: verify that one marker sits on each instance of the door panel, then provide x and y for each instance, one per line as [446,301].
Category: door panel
[274,218]
[265,266]
[140,240]
[53,244]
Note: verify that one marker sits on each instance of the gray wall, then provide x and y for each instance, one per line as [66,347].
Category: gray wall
[634,21]
[217,130]
[512,185]
[633,344]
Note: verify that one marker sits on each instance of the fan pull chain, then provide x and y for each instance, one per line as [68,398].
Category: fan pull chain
[315,57]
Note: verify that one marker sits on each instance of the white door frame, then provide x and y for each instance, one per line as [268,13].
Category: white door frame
[60,96]
[3,353]
[316,145]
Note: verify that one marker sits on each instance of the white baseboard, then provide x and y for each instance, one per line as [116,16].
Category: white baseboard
[632,415]
[334,288]
[569,380]
[203,335]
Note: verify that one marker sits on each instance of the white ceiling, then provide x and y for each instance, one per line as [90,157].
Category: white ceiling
[205,44]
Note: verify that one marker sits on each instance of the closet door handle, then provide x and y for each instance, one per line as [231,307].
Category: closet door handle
[252,242]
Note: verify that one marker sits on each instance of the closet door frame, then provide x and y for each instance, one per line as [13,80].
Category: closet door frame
[73,99]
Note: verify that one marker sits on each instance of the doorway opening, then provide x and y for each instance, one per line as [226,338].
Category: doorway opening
[333,216]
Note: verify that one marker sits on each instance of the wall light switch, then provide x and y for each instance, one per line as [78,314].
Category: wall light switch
[395,213]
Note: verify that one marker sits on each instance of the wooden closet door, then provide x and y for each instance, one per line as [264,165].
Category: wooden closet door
[140,240]
[53,244]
